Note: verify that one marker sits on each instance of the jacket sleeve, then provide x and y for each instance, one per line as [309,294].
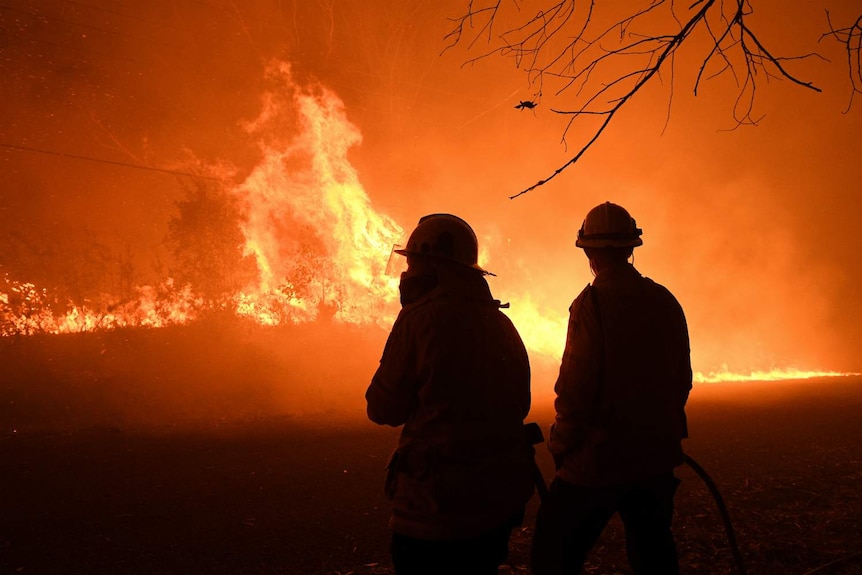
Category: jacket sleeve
[577,386]
[684,369]
[520,365]
[392,394]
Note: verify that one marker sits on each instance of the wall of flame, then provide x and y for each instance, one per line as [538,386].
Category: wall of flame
[337,126]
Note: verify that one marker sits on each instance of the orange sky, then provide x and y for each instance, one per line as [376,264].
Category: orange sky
[753,229]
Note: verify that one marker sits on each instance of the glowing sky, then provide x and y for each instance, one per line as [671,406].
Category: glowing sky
[754,229]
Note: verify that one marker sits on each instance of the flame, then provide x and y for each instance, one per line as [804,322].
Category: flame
[776,374]
[310,220]
[319,247]
[321,250]
[26,310]
[543,332]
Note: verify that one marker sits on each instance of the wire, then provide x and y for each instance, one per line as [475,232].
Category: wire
[112,162]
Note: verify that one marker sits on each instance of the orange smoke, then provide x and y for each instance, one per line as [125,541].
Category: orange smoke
[320,248]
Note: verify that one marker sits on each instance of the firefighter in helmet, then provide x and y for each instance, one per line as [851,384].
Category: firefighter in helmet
[624,380]
[455,374]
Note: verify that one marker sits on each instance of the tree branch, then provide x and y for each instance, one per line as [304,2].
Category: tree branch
[674,42]
[851,38]
[578,61]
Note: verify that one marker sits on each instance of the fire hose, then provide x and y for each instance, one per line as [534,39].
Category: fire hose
[725,516]
[534,436]
[728,527]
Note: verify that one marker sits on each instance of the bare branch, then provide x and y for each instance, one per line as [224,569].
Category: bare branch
[851,38]
[576,51]
[764,53]
[674,42]
[454,36]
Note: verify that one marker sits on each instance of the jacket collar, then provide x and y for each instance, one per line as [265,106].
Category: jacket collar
[616,272]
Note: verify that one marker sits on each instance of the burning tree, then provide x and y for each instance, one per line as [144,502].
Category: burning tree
[601,54]
[207,243]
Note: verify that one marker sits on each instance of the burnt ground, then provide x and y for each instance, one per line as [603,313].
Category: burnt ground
[288,495]
[301,493]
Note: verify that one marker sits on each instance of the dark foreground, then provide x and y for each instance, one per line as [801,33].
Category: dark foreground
[303,495]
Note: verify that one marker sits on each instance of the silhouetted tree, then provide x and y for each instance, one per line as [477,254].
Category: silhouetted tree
[207,242]
[602,59]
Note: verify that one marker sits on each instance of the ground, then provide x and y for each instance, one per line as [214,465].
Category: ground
[303,495]
[92,482]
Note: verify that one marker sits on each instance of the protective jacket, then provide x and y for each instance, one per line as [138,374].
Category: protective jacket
[455,374]
[624,380]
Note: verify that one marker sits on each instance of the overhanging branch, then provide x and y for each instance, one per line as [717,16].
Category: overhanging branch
[557,45]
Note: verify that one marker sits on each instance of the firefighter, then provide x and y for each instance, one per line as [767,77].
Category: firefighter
[624,380]
[455,374]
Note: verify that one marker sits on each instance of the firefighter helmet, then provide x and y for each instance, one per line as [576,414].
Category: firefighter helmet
[446,237]
[609,226]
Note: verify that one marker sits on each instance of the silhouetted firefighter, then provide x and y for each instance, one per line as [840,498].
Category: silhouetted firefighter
[620,402]
[456,375]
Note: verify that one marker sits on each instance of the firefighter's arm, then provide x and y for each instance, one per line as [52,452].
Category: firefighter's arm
[685,371]
[521,364]
[577,385]
[391,396]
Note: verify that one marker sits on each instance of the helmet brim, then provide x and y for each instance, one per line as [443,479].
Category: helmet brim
[608,243]
[476,267]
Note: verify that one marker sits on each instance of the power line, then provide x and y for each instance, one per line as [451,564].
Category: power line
[46,17]
[112,162]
